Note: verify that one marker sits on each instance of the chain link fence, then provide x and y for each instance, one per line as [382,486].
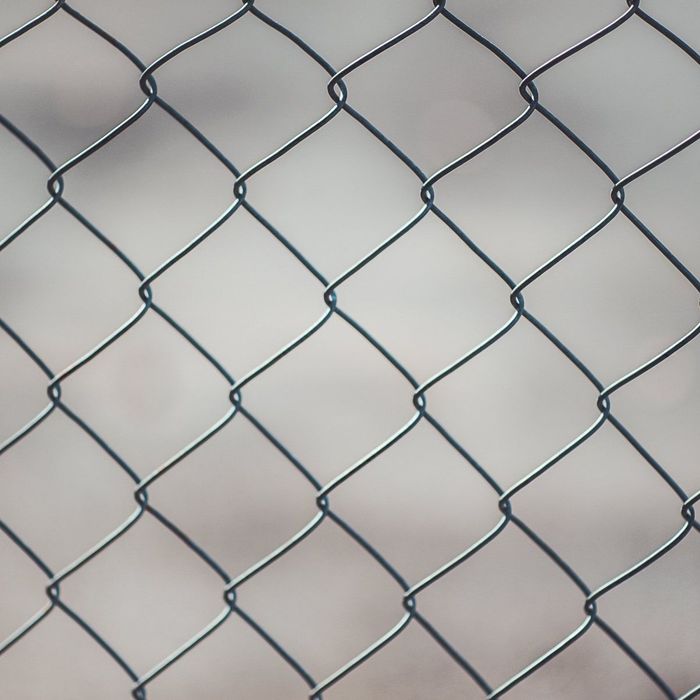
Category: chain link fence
[263,314]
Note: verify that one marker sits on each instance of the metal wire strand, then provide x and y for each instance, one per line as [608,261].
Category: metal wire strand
[241,179]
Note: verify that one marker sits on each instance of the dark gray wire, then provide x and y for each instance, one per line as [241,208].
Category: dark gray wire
[338,93]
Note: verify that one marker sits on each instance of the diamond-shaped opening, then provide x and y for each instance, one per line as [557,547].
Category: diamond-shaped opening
[158,29]
[237,496]
[505,606]
[65,86]
[330,588]
[516,404]
[665,199]
[62,491]
[342,32]
[58,659]
[602,492]
[148,394]
[23,385]
[233,662]
[146,592]
[603,99]
[411,666]
[337,195]
[22,582]
[248,88]
[420,503]
[242,294]
[22,179]
[656,612]
[526,197]
[556,25]
[331,400]
[174,188]
[436,94]
[661,408]
[62,290]
[428,298]
[593,667]
[616,301]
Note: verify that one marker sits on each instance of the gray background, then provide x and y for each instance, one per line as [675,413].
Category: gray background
[616,302]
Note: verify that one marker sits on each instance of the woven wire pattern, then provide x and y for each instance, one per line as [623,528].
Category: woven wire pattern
[243,190]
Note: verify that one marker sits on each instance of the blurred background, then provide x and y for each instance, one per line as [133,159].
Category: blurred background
[615,302]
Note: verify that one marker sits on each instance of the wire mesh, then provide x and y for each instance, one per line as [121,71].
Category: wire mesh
[409,591]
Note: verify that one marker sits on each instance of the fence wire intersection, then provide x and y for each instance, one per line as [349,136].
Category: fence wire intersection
[339,96]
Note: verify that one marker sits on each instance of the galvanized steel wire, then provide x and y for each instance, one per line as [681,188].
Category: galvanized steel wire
[426,206]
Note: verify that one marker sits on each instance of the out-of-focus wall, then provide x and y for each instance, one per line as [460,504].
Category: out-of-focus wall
[615,302]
